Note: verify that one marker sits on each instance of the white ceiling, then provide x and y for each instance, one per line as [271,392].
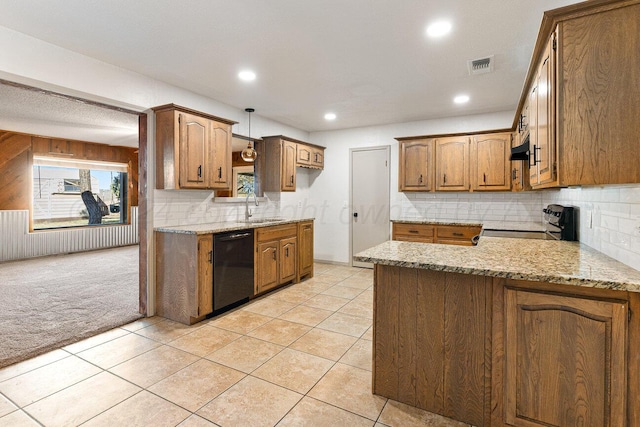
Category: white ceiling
[366,60]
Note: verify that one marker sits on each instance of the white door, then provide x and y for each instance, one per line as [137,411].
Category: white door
[369,199]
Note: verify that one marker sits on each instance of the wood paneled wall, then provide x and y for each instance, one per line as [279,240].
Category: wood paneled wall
[16,162]
[15,171]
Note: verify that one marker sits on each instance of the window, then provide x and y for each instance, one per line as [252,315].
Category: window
[243,181]
[58,187]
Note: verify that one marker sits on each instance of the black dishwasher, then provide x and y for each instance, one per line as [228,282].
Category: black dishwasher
[232,269]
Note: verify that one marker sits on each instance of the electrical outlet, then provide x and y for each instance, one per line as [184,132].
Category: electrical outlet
[299,204]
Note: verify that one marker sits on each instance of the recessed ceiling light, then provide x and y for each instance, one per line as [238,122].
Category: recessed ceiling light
[247,75]
[439,29]
[461,99]
[330,116]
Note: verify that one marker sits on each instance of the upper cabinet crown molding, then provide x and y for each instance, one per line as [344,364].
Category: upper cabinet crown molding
[175,107]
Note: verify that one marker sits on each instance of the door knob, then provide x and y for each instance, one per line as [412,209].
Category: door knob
[355,214]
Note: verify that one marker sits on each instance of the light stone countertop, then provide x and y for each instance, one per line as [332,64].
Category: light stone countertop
[221,227]
[569,263]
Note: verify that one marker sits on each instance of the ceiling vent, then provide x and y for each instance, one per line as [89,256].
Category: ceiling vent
[480,66]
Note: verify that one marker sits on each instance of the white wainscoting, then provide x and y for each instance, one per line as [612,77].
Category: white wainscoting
[17,243]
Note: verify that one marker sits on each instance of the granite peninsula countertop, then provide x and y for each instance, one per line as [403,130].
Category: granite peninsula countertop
[568,263]
[221,227]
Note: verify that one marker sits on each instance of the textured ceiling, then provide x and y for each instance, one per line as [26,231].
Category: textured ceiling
[39,113]
[366,60]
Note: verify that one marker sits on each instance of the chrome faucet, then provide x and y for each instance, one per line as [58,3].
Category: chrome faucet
[247,212]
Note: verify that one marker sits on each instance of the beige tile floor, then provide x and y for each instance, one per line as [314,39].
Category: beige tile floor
[300,356]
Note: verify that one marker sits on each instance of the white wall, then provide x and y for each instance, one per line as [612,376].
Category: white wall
[329,191]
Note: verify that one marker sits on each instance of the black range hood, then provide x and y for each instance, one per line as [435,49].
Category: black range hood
[521,152]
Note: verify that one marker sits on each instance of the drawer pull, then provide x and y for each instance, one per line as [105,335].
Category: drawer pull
[458,234]
[414,231]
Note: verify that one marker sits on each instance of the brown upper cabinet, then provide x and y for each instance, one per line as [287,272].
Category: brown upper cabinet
[582,89]
[281,156]
[193,149]
[309,156]
[452,163]
[542,141]
[490,161]
[415,164]
[464,162]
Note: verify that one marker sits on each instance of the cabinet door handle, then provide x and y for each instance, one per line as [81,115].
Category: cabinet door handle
[291,179]
[532,156]
[420,179]
[274,254]
[484,178]
[286,252]
[220,172]
[535,156]
[444,178]
[514,174]
[211,257]
[200,171]
[458,234]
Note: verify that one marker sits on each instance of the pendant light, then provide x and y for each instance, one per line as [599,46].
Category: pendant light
[249,154]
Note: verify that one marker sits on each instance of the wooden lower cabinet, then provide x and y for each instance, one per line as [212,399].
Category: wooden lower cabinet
[431,348]
[266,266]
[184,276]
[433,233]
[565,360]
[499,352]
[305,249]
[276,259]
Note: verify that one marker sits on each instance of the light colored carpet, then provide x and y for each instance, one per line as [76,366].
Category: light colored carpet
[49,302]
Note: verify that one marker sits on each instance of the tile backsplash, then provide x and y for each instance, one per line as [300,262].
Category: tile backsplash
[172,207]
[494,206]
[609,216]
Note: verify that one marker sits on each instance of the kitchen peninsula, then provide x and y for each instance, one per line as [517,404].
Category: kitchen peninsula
[506,333]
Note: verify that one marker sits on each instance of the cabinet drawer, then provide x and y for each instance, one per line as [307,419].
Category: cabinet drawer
[413,238]
[277,232]
[412,230]
[457,232]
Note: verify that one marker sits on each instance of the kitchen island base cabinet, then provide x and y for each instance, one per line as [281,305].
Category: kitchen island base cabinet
[560,359]
[490,351]
[184,276]
[431,347]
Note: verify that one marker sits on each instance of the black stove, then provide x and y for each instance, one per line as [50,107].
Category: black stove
[560,222]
